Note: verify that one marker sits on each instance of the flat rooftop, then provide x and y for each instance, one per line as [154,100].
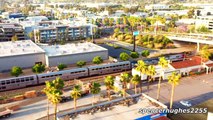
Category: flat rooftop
[19,48]
[71,48]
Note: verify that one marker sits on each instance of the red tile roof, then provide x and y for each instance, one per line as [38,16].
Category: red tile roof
[194,61]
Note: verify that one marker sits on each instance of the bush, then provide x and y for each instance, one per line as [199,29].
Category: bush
[81,63]
[38,68]
[145,53]
[61,66]
[134,54]
[97,60]
[16,71]
[124,56]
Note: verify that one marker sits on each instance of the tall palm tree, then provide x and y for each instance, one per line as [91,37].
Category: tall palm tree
[75,94]
[135,80]
[53,90]
[164,64]
[150,72]
[95,89]
[205,53]
[109,83]
[55,98]
[47,90]
[142,68]
[174,80]
[125,78]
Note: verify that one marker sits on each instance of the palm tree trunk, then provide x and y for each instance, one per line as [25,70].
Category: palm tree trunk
[172,96]
[75,103]
[55,111]
[135,88]
[93,100]
[141,83]
[158,94]
[48,109]
[108,92]
[148,87]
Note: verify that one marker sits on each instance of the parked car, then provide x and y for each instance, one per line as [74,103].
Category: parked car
[185,103]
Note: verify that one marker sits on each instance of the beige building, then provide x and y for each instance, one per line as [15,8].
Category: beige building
[24,54]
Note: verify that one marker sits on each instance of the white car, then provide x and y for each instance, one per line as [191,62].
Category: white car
[185,103]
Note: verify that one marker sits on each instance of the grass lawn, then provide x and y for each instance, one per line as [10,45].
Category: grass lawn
[207,104]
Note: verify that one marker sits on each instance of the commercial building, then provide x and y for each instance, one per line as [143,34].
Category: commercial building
[206,21]
[24,54]
[61,32]
[186,67]
[8,30]
[159,72]
[72,53]
[157,7]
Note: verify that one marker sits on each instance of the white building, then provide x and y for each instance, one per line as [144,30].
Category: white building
[157,7]
[159,72]
[72,53]
[24,54]
[206,21]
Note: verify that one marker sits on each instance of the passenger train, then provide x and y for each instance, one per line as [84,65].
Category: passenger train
[31,80]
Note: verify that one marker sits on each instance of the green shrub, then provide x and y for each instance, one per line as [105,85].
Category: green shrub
[61,66]
[16,71]
[38,68]
[145,53]
[124,56]
[134,54]
[81,63]
[97,60]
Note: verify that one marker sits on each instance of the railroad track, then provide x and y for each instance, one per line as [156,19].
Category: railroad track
[68,85]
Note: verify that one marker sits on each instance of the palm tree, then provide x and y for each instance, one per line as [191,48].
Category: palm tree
[95,89]
[53,90]
[125,78]
[150,72]
[47,90]
[135,80]
[75,94]
[14,38]
[174,80]
[205,53]
[55,98]
[31,35]
[164,64]
[109,83]
[142,68]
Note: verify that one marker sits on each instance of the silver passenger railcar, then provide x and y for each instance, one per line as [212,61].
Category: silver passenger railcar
[18,82]
[109,68]
[64,75]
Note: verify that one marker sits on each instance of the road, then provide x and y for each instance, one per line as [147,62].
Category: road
[195,89]
[181,48]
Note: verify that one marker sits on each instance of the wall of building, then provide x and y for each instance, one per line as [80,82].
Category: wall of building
[72,59]
[23,61]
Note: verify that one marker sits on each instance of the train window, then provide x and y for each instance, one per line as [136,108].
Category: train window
[22,80]
[13,81]
[31,78]
[27,79]
[17,80]
[60,74]
[51,75]
[56,75]
[43,77]
[3,87]
[7,82]
[3,82]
